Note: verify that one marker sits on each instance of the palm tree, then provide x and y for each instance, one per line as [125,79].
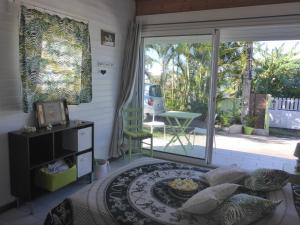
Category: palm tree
[277,71]
[247,77]
[165,54]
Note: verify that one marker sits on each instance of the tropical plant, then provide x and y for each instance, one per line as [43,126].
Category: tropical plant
[277,71]
[236,119]
[224,119]
[185,74]
[250,120]
[165,53]
[232,60]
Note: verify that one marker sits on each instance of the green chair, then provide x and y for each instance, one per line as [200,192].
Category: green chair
[133,129]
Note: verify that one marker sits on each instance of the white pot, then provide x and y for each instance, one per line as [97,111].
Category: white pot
[102,168]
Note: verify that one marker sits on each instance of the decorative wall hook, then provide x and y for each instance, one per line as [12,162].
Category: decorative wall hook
[103,67]
[106,65]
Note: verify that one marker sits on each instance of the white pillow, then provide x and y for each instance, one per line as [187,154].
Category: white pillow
[208,199]
[227,174]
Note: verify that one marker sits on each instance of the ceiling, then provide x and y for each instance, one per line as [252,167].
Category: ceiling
[149,7]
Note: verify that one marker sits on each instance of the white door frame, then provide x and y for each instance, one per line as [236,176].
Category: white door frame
[212,97]
[215,40]
[213,28]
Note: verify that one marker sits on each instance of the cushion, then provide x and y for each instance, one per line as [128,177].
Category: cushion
[138,134]
[208,199]
[266,180]
[243,209]
[227,174]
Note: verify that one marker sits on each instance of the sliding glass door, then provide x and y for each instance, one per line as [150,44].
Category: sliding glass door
[179,94]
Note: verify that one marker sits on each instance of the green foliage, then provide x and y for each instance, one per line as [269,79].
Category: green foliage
[236,119]
[231,107]
[277,72]
[200,107]
[250,120]
[232,65]
[185,75]
[224,119]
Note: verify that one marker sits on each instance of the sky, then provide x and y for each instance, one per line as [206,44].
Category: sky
[156,69]
[287,44]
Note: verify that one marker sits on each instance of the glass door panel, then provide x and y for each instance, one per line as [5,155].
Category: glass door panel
[256,125]
[177,73]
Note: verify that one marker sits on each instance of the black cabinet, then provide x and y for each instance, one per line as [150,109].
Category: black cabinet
[29,152]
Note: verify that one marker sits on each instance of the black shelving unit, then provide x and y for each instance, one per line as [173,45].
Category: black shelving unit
[31,151]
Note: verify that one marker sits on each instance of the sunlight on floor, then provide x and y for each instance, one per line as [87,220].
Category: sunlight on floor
[249,152]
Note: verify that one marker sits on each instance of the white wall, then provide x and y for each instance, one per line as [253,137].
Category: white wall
[111,15]
[284,119]
[285,113]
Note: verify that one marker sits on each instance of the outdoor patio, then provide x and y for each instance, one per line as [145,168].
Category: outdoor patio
[247,151]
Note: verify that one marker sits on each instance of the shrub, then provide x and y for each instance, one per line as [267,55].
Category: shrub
[236,119]
[224,119]
[250,120]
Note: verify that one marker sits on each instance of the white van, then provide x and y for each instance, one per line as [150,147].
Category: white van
[153,100]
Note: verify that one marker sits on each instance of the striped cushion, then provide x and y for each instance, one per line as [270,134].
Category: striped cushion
[266,180]
[243,209]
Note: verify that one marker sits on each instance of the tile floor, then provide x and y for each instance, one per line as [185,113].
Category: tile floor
[249,152]
[42,205]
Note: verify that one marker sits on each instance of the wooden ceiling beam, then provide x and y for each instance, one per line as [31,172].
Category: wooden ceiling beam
[150,7]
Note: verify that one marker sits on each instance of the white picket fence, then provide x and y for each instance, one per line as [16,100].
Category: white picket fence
[288,104]
[284,113]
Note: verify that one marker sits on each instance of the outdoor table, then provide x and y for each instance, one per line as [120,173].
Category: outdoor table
[182,122]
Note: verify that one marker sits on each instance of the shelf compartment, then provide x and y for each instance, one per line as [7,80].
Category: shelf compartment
[78,139]
[63,153]
[53,182]
[41,149]
[60,151]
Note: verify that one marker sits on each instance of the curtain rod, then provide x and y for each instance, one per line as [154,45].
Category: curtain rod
[49,10]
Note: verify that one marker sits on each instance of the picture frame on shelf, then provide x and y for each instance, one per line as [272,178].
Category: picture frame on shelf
[108,38]
[51,113]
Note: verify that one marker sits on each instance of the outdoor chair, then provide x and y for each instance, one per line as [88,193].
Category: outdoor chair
[155,124]
[202,131]
[133,129]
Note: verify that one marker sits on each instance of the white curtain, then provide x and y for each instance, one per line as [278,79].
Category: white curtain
[130,71]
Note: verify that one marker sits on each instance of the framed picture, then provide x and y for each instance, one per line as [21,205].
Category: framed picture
[108,38]
[54,113]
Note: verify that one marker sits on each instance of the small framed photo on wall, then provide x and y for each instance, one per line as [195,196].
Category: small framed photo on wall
[108,38]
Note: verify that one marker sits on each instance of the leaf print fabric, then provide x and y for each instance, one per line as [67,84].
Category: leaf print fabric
[55,59]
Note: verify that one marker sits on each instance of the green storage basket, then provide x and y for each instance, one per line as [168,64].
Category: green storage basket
[53,182]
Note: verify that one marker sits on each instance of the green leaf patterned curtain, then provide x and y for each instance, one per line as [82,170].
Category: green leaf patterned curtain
[55,59]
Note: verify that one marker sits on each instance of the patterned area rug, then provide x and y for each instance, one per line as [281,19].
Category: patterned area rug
[296,194]
[142,194]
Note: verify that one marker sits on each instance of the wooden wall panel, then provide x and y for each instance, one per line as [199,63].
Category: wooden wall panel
[149,7]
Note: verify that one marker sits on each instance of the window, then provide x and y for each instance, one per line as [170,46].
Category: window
[155,91]
[55,58]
